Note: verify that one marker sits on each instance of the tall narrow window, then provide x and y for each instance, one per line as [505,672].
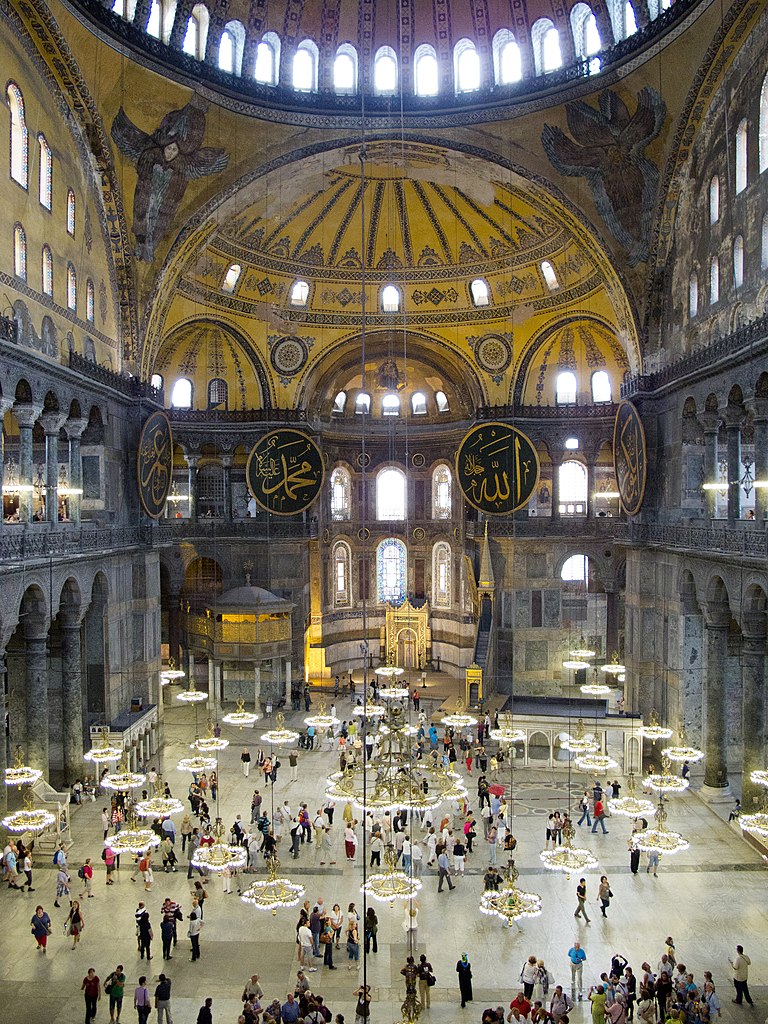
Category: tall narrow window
[741,156]
[390,405]
[19,136]
[480,294]
[466,66]
[227,49]
[441,401]
[630,21]
[267,61]
[764,244]
[573,488]
[363,404]
[546,46]
[419,403]
[441,493]
[341,495]
[71,287]
[218,393]
[71,211]
[738,261]
[441,575]
[46,173]
[342,559]
[192,38]
[507,63]
[391,569]
[385,71]
[299,293]
[390,495]
[181,395]
[549,275]
[693,294]
[714,280]
[340,402]
[390,299]
[155,22]
[763,137]
[20,252]
[156,381]
[47,270]
[89,301]
[714,200]
[586,36]
[345,70]
[566,388]
[231,278]
[601,386]
[426,75]
[305,62]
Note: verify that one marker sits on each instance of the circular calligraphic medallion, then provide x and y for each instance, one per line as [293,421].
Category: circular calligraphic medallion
[154,464]
[629,457]
[497,468]
[289,355]
[285,472]
[493,354]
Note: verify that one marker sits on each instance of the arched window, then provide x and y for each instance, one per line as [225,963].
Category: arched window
[572,477]
[231,278]
[566,388]
[46,173]
[426,74]
[764,244]
[693,294]
[47,270]
[181,395]
[441,493]
[741,156]
[714,280]
[192,38]
[218,393]
[575,569]
[714,199]
[480,294]
[71,210]
[441,400]
[267,67]
[441,575]
[390,299]
[19,136]
[299,293]
[507,63]
[305,62]
[385,71]
[345,69]
[342,560]
[390,495]
[71,287]
[155,22]
[586,37]
[390,405]
[363,404]
[391,569]
[20,252]
[156,381]
[466,66]
[630,22]
[227,51]
[341,495]
[738,261]
[419,403]
[549,275]
[340,402]
[545,40]
[89,301]
[601,387]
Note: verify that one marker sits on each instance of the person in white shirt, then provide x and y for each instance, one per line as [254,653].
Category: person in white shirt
[305,947]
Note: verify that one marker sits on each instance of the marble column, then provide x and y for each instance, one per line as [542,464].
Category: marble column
[174,630]
[51,423]
[71,697]
[760,421]
[36,699]
[226,462]
[5,405]
[211,683]
[715,707]
[555,489]
[192,486]
[612,624]
[752,717]
[3,739]
[710,424]
[74,430]
[733,421]
[590,507]
[26,417]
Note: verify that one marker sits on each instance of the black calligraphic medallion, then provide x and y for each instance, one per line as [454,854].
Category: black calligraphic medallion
[629,457]
[154,464]
[285,472]
[497,468]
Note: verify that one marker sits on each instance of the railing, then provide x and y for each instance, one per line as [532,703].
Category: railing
[287,98]
[596,527]
[133,387]
[268,631]
[172,530]
[8,329]
[749,543]
[268,415]
[603,410]
[18,543]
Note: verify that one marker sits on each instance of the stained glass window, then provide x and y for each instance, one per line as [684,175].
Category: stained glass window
[89,309]
[341,488]
[441,575]
[71,207]
[19,136]
[20,252]
[46,173]
[391,562]
[441,493]
[47,271]
[341,564]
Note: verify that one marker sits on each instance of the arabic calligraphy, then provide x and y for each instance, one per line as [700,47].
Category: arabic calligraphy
[497,468]
[629,457]
[285,472]
[155,464]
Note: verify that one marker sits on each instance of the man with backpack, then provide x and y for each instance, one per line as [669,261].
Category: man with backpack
[85,874]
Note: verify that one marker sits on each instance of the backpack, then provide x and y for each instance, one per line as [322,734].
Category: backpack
[81,872]
[56,858]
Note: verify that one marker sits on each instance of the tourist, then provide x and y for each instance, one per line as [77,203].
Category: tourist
[62,883]
[599,815]
[581,896]
[204,1014]
[426,981]
[577,957]
[75,924]
[141,1001]
[604,895]
[194,929]
[41,927]
[528,976]
[584,808]
[597,999]
[464,971]
[353,942]
[163,1000]
[371,930]
[114,987]
[144,934]
[444,872]
[560,1005]
[362,1006]
[740,968]
[519,1008]
[85,873]
[91,987]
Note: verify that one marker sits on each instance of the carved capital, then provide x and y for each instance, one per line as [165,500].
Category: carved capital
[26,414]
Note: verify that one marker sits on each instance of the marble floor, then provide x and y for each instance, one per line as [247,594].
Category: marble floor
[709,898]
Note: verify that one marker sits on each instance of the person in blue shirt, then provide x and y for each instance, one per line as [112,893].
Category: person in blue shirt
[577,956]
[289,1011]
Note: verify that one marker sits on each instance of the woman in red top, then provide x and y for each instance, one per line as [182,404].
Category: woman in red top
[92,988]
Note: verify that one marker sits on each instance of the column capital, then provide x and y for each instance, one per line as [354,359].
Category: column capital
[5,405]
[75,427]
[52,422]
[759,406]
[26,414]
[734,417]
[717,615]
[226,461]
[710,422]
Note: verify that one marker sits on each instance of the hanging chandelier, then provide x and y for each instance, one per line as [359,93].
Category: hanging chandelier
[596,764]
[682,752]
[132,839]
[321,720]
[388,671]
[582,651]
[575,664]
[241,718]
[21,774]
[220,855]
[614,666]
[665,781]
[659,839]
[506,733]
[171,674]
[280,735]
[273,893]
[197,764]
[654,731]
[459,719]
[123,779]
[596,688]
[760,777]
[631,806]
[755,824]
[209,743]
[391,691]
[508,902]
[369,709]
[567,858]
[103,752]
[391,884]
[29,818]
[191,695]
[159,806]
[579,742]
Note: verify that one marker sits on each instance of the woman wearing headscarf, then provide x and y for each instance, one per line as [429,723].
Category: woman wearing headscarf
[464,971]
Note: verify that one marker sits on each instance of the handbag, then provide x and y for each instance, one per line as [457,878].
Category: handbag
[431,980]
[325,938]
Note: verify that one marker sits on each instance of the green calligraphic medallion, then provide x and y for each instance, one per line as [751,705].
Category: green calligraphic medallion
[154,464]
[285,472]
[497,468]
[629,457]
